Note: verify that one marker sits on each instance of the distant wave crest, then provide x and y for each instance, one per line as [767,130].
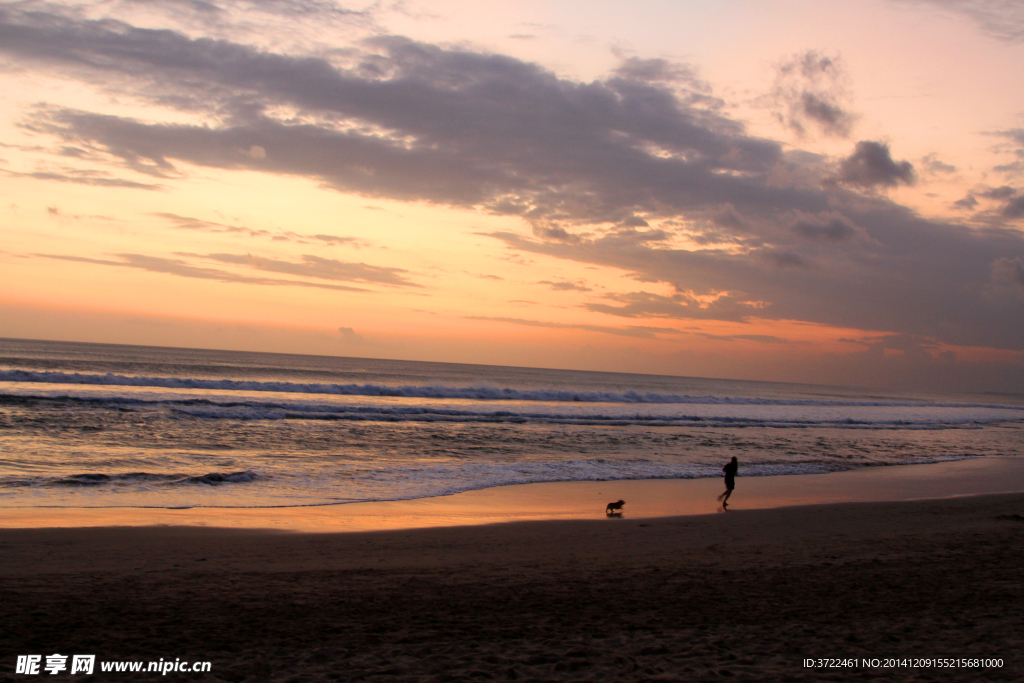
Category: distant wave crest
[132,479]
[478,393]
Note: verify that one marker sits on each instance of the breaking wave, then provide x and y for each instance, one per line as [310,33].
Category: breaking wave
[478,393]
[129,479]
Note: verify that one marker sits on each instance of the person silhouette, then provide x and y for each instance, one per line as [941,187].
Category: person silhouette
[730,481]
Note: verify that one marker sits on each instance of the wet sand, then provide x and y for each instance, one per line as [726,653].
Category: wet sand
[569,500]
[746,596]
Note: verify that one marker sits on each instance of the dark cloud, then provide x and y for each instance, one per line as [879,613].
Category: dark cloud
[156,264]
[871,165]
[330,239]
[933,165]
[318,267]
[635,222]
[919,277]
[1015,134]
[830,226]
[93,178]
[1015,145]
[809,88]
[74,152]
[1014,208]
[679,306]
[556,234]
[191,223]
[1015,168]
[221,16]
[640,331]
[728,217]
[786,259]
[1008,272]
[658,71]
[349,335]
[565,286]
[832,118]
[913,347]
[998,193]
[759,338]
[969,202]
[459,128]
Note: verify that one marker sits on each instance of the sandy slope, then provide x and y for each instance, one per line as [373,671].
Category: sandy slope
[738,596]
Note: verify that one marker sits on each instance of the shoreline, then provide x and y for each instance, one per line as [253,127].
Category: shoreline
[645,499]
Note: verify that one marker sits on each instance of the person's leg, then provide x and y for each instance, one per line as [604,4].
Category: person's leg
[725,496]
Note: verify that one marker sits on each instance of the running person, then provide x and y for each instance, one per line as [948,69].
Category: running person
[730,481]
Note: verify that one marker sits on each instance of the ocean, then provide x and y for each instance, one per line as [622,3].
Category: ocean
[99,425]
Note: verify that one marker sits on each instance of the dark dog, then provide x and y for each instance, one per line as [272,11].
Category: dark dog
[614,508]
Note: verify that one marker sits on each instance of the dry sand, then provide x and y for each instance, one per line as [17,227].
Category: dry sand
[741,596]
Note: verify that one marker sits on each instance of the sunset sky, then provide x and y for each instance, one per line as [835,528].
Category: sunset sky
[800,190]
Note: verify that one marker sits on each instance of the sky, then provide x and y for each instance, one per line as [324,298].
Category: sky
[826,191]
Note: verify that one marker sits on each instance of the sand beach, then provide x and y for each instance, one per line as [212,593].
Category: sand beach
[747,595]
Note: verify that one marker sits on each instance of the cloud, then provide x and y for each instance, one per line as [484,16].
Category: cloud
[914,276]
[192,223]
[318,267]
[758,338]
[330,239]
[680,306]
[658,71]
[557,234]
[349,335]
[998,193]
[1001,19]
[565,286]
[934,166]
[417,122]
[969,202]
[1008,272]
[156,264]
[640,331]
[871,165]
[80,177]
[786,259]
[1015,145]
[829,226]
[912,347]
[809,88]
[1014,208]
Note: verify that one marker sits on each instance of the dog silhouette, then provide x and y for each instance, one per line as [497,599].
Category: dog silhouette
[614,508]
